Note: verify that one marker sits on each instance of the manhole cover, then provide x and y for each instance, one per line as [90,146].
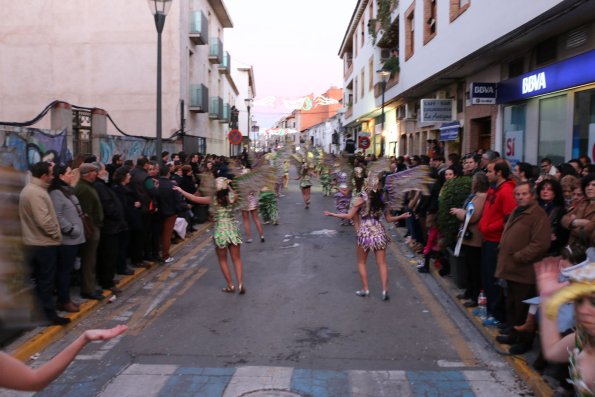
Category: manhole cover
[270,393]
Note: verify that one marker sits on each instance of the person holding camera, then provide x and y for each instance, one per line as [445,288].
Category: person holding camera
[471,246]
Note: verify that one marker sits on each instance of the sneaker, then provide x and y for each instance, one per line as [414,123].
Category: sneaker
[363,293]
[491,322]
[262,239]
[476,312]
[169,260]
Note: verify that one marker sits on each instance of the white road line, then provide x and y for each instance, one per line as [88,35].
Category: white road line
[140,381]
[379,384]
[491,383]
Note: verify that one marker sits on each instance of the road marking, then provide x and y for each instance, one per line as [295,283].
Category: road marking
[448,327]
[247,379]
[102,351]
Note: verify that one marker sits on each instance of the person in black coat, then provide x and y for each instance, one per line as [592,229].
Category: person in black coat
[132,211]
[113,231]
[170,204]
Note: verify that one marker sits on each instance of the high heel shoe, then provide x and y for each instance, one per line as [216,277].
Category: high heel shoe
[230,289]
[241,289]
[262,239]
[363,292]
[385,296]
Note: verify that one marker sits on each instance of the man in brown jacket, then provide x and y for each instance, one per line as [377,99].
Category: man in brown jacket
[41,236]
[526,238]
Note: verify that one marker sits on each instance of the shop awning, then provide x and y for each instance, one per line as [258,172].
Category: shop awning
[450,131]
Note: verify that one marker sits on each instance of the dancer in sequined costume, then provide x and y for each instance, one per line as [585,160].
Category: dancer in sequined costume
[371,235]
[226,234]
[305,177]
[250,208]
[267,206]
[343,196]
[325,180]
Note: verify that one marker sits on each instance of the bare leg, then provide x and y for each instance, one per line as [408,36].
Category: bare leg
[256,219]
[234,251]
[362,256]
[382,268]
[246,220]
[222,258]
[285,180]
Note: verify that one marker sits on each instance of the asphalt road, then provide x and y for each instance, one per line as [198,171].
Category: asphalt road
[299,330]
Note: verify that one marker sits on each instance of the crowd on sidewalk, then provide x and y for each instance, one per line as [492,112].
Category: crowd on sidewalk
[85,223]
[521,216]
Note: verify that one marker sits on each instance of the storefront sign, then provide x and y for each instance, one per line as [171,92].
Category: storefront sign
[513,146]
[570,73]
[450,131]
[437,110]
[483,93]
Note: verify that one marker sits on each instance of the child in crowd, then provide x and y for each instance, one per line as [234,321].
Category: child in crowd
[432,248]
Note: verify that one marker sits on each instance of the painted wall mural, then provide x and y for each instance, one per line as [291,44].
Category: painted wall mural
[23,147]
[131,148]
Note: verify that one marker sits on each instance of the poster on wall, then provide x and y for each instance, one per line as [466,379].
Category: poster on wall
[513,146]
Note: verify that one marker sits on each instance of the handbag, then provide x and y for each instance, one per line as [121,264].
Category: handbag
[87,226]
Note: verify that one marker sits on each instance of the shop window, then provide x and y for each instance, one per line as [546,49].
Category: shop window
[514,132]
[552,129]
[583,138]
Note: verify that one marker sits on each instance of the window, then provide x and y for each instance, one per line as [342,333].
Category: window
[514,132]
[583,133]
[363,29]
[363,84]
[430,17]
[371,69]
[355,89]
[516,68]
[409,31]
[457,7]
[552,129]
[546,51]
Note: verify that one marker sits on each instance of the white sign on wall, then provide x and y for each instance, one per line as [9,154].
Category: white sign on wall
[437,110]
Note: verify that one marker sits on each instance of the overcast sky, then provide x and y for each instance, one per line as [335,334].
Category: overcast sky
[291,45]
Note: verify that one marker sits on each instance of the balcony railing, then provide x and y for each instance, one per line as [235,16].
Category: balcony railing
[215,50]
[224,66]
[216,108]
[226,114]
[199,98]
[199,28]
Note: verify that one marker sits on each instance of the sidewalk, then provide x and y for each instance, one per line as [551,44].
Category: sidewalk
[36,340]
[520,363]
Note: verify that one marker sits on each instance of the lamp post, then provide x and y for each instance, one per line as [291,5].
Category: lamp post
[384,76]
[159,9]
[248,102]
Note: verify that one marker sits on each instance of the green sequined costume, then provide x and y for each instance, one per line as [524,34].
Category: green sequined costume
[267,206]
[226,231]
[325,181]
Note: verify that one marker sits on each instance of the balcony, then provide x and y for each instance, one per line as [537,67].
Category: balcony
[199,98]
[226,114]
[216,108]
[215,50]
[224,66]
[199,28]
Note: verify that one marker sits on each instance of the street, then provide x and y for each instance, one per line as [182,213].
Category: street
[299,330]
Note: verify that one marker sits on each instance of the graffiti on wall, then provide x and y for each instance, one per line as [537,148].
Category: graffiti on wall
[131,148]
[23,147]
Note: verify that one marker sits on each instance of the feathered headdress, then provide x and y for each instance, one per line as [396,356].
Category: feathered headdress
[253,181]
[417,178]
[375,169]
[582,284]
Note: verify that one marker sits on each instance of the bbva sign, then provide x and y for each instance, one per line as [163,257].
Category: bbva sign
[533,83]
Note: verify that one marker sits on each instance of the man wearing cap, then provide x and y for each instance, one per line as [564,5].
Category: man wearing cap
[41,236]
[91,205]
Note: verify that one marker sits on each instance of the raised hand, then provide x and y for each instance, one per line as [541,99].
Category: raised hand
[105,334]
[547,272]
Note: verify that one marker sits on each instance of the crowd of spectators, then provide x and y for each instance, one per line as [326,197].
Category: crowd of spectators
[85,223]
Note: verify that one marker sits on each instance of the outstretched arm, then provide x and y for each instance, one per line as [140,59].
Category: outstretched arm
[192,197]
[16,375]
[352,211]
[396,218]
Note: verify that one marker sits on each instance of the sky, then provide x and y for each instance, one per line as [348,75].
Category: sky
[292,46]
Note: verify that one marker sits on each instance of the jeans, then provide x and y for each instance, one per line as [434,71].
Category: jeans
[493,292]
[43,262]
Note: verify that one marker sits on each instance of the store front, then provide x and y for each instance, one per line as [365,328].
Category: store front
[550,112]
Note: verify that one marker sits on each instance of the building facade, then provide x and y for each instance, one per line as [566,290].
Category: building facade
[103,54]
[472,74]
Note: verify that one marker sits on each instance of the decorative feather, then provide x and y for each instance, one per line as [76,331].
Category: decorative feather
[417,178]
[253,181]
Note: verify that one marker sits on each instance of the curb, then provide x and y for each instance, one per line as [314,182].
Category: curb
[533,379]
[44,337]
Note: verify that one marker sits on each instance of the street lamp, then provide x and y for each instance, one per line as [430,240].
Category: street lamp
[248,102]
[159,9]
[384,76]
